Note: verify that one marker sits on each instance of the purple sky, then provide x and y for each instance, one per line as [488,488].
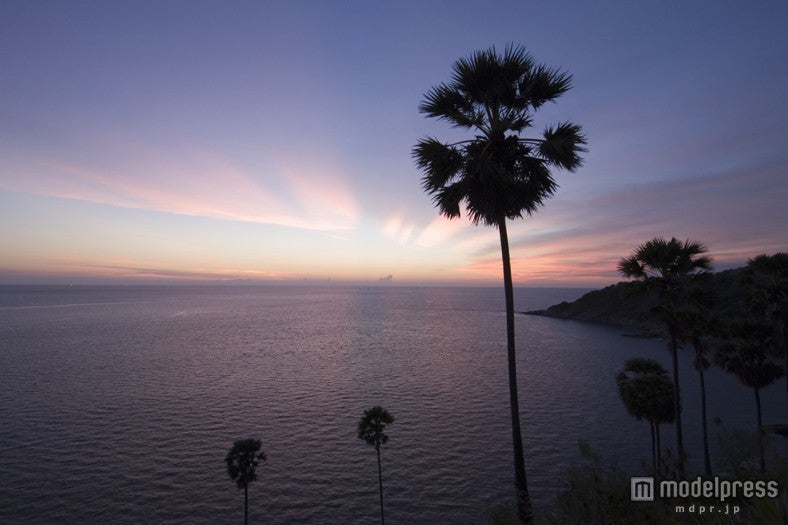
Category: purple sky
[271,140]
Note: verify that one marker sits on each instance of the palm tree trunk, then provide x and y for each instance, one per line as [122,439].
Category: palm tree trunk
[524,508]
[653,447]
[784,331]
[762,459]
[246,504]
[706,457]
[659,453]
[674,347]
[380,484]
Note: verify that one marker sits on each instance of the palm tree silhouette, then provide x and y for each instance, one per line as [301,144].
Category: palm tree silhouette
[647,394]
[498,174]
[370,429]
[745,353]
[767,277]
[696,325]
[669,267]
[242,460]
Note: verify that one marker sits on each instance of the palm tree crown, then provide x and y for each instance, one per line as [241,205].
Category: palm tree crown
[242,461]
[646,391]
[498,173]
[745,353]
[372,424]
[648,394]
[666,263]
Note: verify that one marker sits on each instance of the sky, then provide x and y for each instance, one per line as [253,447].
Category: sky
[201,141]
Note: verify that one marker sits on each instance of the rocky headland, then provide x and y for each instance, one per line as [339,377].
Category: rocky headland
[624,306]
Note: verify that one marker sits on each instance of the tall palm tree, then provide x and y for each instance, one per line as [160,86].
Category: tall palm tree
[697,323]
[370,429]
[745,353]
[498,174]
[767,276]
[242,461]
[698,338]
[647,394]
[669,267]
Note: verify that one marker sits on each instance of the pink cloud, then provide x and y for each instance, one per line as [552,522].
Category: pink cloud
[323,195]
[203,185]
[440,230]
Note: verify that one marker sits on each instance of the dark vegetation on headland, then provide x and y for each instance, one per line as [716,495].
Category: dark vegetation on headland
[622,305]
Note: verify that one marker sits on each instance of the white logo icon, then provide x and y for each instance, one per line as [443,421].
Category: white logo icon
[641,489]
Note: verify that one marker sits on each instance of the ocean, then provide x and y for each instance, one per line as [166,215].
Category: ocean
[119,404]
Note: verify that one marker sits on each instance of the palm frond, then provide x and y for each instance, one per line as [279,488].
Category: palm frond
[692,258]
[631,267]
[447,103]
[563,144]
[449,198]
[481,78]
[536,183]
[515,120]
[438,161]
[542,84]
[516,60]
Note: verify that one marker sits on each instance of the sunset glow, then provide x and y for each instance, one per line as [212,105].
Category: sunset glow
[271,142]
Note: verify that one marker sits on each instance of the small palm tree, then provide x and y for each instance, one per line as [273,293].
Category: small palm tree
[370,429]
[242,460]
[498,174]
[745,353]
[669,267]
[648,394]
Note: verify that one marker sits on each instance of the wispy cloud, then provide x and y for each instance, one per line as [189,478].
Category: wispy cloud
[203,185]
[581,239]
[136,272]
[732,212]
[398,229]
[440,230]
[324,197]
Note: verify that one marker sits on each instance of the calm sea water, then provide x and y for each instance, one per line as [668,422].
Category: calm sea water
[117,405]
